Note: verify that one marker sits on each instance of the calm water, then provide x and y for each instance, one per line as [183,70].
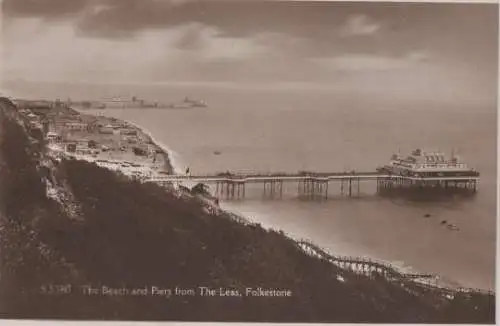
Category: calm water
[291,131]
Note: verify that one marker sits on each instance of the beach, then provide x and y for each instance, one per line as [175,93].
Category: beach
[396,230]
[108,142]
[250,210]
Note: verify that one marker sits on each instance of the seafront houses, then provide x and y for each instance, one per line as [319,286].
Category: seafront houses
[76,126]
[53,137]
[80,147]
[107,129]
[69,122]
[128,132]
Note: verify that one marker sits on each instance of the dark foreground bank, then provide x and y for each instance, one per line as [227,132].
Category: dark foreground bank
[80,242]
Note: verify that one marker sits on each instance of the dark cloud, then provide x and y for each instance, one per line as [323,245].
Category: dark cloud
[112,18]
[240,18]
[324,28]
[127,17]
[43,8]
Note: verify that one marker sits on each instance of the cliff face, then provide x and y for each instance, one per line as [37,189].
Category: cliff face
[70,224]
[27,213]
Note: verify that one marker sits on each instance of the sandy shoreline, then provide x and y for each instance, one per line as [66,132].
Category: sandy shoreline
[169,155]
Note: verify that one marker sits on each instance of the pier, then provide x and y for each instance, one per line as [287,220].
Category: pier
[316,186]
[371,268]
[364,266]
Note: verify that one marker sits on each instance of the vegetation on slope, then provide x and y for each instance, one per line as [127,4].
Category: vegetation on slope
[137,235]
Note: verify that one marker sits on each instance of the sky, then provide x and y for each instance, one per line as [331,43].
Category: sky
[413,50]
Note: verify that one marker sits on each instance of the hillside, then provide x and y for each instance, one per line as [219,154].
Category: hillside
[72,223]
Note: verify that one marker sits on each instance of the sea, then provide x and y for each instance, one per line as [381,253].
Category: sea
[283,130]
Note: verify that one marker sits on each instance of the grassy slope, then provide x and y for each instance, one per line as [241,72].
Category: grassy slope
[138,235]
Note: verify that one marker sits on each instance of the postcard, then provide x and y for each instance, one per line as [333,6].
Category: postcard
[248,161]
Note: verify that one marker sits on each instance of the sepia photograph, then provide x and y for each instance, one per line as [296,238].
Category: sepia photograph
[278,161]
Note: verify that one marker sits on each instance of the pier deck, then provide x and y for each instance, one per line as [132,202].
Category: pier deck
[315,185]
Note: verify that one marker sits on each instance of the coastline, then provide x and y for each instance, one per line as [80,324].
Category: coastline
[437,280]
[172,165]
[175,168]
[276,252]
[169,155]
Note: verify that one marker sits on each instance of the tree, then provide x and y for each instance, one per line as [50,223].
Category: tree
[200,189]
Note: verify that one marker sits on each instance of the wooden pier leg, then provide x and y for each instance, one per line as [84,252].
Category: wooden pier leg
[265,183]
[244,186]
[238,186]
[350,187]
[232,189]
[306,188]
[217,188]
[309,188]
[358,186]
[281,188]
[326,189]
[341,187]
